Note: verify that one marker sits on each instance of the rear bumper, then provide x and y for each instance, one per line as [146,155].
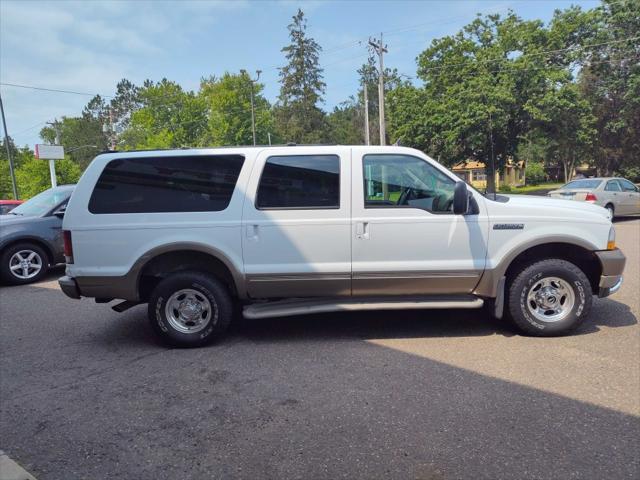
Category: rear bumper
[69,287]
[612,262]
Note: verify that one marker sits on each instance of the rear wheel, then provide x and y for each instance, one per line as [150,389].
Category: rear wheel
[23,263]
[190,309]
[611,209]
[548,298]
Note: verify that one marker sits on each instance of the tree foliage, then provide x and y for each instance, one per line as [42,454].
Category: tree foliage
[298,114]
[228,101]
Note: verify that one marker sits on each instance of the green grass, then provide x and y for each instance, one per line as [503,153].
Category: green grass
[543,187]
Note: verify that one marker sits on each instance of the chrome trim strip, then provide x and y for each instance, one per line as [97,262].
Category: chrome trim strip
[304,306]
[413,274]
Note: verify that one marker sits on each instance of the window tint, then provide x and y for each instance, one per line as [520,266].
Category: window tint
[166,184]
[300,181]
[613,186]
[406,181]
[627,186]
[585,183]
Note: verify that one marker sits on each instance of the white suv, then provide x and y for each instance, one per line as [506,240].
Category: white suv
[306,229]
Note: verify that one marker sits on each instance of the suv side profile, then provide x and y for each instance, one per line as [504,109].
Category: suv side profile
[308,229]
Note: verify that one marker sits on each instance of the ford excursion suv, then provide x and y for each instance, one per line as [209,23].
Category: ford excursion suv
[293,230]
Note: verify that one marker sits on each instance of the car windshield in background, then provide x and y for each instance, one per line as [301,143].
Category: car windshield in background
[42,203]
[586,183]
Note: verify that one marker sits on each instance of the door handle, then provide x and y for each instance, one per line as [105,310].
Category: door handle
[362,230]
[253,232]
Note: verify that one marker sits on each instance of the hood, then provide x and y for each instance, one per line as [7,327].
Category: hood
[6,220]
[557,204]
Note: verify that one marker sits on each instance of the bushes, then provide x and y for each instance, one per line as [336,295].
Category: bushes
[534,173]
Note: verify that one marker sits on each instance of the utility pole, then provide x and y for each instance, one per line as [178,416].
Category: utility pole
[366,115]
[6,144]
[380,49]
[52,163]
[112,130]
[253,112]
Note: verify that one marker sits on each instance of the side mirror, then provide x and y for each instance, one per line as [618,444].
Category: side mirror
[460,198]
[60,212]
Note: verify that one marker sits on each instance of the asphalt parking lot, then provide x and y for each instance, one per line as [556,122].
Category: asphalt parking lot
[89,393]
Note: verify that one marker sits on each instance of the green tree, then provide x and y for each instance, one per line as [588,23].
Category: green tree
[19,156]
[569,124]
[610,82]
[168,117]
[478,85]
[33,175]
[298,116]
[228,101]
[346,124]
[82,138]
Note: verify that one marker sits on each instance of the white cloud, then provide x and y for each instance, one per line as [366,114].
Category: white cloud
[88,46]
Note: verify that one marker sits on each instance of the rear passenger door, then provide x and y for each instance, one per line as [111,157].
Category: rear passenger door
[613,195]
[296,233]
[631,196]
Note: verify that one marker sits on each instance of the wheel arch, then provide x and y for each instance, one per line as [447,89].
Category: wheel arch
[158,262]
[576,251]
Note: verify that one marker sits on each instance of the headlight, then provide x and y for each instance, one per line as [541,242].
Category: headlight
[611,241]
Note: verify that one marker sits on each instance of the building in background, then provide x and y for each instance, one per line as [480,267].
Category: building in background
[473,172]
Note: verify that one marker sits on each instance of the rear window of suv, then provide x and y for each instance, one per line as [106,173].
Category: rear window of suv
[195,183]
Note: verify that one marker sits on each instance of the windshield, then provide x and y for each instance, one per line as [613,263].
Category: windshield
[42,203]
[586,183]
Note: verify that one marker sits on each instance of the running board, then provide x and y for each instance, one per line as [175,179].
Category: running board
[305,306]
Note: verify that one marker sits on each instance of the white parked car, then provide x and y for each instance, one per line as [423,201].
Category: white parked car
[618,195]
[309,229]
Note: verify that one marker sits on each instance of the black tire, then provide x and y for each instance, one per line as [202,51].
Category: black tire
[520,311]
[7,257]
[207,287]
[611,208]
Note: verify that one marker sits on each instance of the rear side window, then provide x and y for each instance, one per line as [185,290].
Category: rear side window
[613,186]
[300,182]
[166,184]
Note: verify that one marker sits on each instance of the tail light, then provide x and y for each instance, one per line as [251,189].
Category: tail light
[68,246]
[590,197]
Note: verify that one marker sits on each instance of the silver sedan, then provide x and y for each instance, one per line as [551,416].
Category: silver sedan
[618,195]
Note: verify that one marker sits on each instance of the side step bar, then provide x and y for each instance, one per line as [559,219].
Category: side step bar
[305,306]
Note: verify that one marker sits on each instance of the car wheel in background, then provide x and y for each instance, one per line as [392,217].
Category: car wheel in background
[190,309]
[23,263]
[549,298]
[611,209]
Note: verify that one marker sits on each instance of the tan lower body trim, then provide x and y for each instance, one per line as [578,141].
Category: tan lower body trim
[414,283]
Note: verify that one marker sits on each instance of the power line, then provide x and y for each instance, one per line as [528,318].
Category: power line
[31,87]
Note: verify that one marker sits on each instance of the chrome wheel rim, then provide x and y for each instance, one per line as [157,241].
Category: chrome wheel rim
[189,311]
[25,264]
[551,299]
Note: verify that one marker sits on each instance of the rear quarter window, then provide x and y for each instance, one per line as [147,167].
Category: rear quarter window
[196,183]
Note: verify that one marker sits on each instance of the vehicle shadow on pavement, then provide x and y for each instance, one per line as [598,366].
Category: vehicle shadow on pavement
[88,394]
[133,327]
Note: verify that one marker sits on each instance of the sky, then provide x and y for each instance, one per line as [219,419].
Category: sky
[88,46]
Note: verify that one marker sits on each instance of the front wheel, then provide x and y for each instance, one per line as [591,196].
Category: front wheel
[23,263]
[548,298]
[190,309]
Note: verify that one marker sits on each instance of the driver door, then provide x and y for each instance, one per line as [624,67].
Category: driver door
[406,239]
